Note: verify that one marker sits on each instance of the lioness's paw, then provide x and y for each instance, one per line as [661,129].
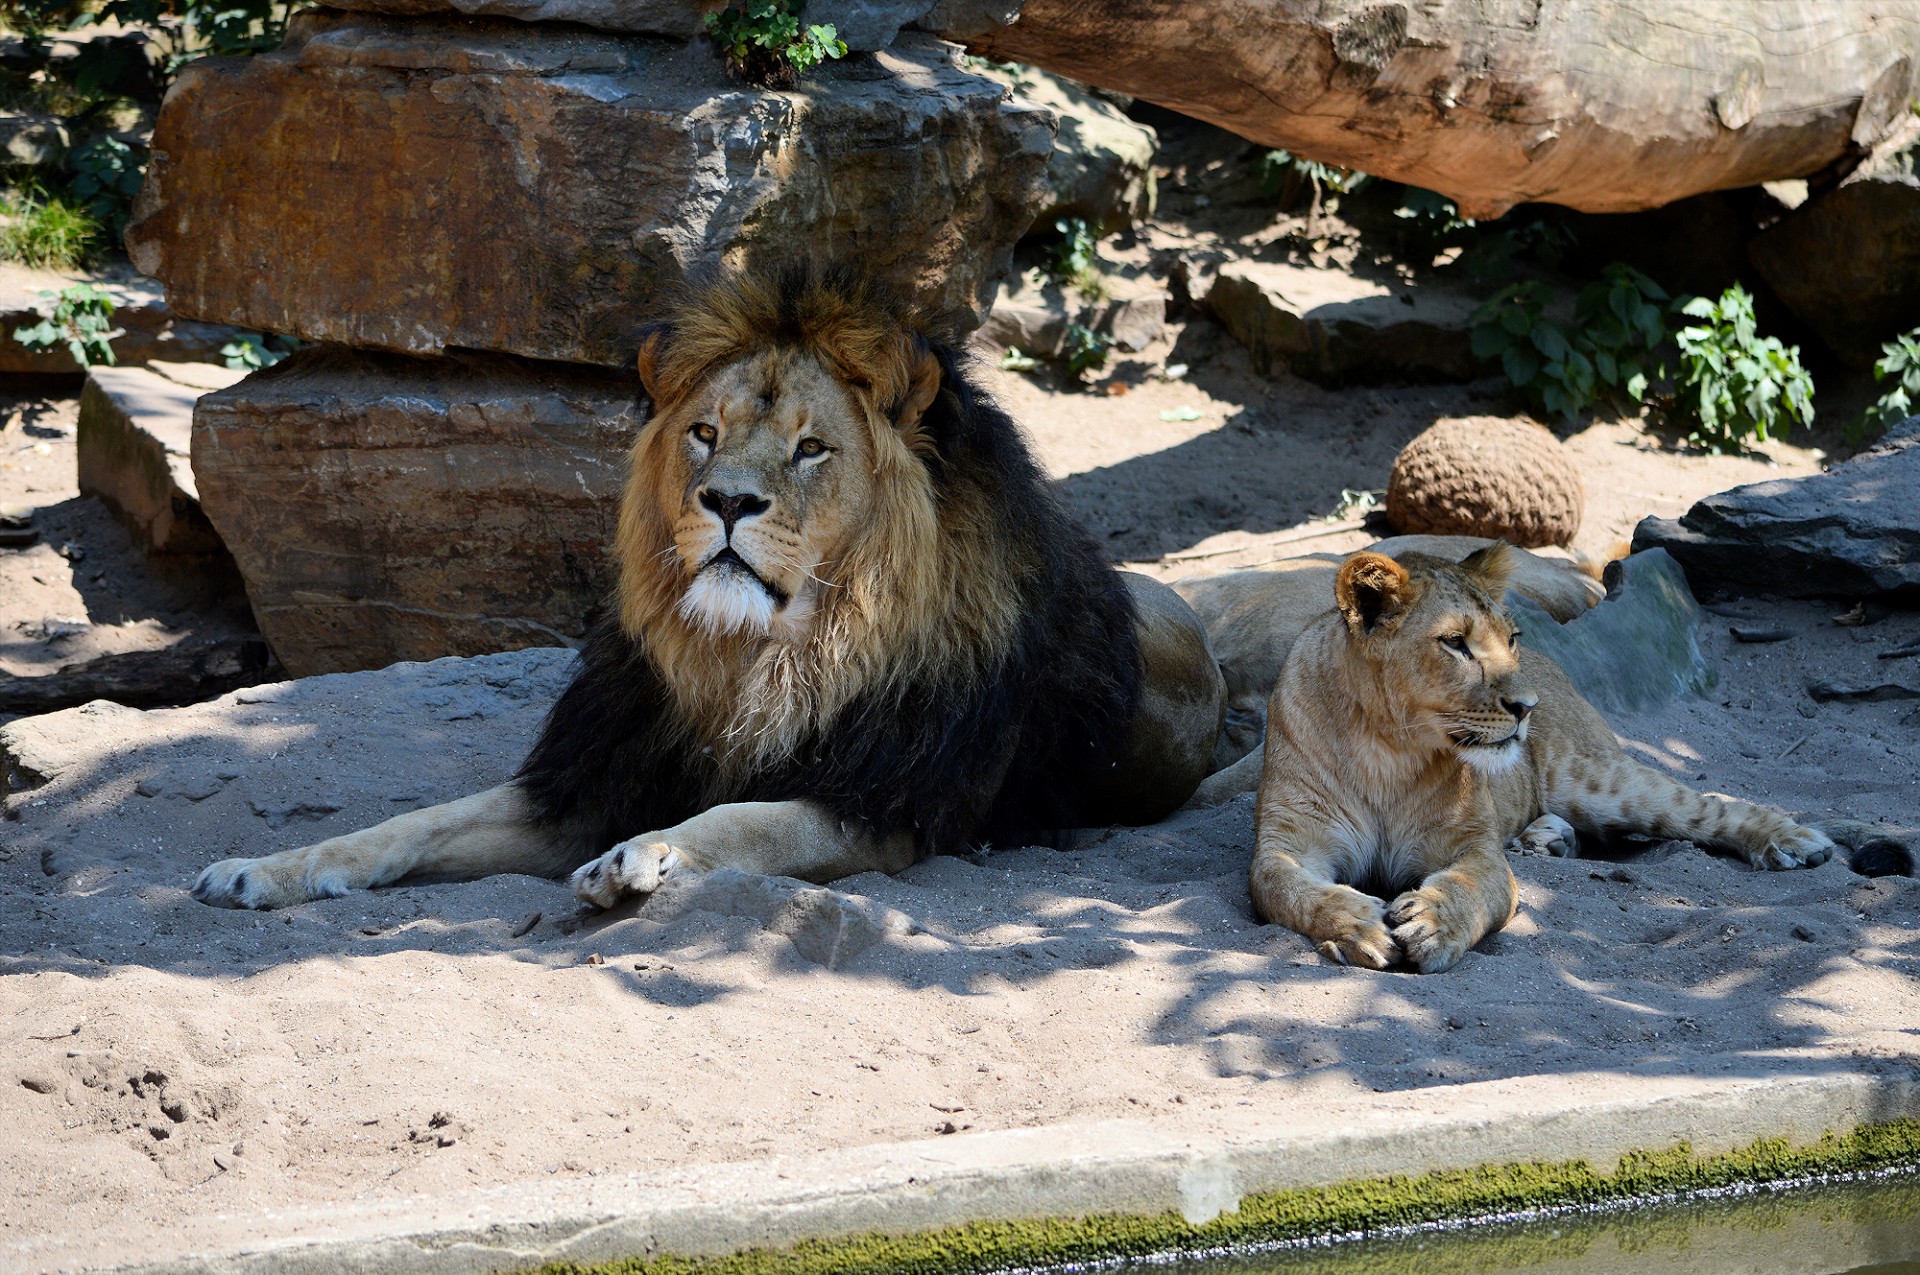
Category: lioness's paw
[1432,940]
[1348,930]
[249,883]
[1547,835]
[637,866]
[1802,848]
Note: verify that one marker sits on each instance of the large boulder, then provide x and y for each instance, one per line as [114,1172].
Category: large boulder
[420,184]
[864,25]
[1847,263]
[1851,532]
[1336,327]
[1601,107]
[1102,165]
[384,508]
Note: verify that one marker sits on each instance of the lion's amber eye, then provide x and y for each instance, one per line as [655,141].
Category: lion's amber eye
[809,448]
[704,433]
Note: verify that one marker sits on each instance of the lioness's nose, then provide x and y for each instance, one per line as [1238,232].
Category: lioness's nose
[732,507]
[1520,706]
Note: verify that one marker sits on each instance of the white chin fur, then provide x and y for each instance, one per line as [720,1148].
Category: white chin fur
[727,602]
[1493,759]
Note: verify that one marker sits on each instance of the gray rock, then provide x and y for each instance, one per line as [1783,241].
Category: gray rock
[1638,649]
[1848,262]
[1336,328]
[1034,315]
[1851,532]
[383,508]
[532,188]
[135,432]
[1102,164]
[962,19]
[32,141]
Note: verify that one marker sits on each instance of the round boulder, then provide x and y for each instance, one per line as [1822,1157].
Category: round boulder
[1485,476]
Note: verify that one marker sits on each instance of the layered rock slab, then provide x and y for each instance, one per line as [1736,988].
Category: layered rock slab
[383,508]
[532,188]
[1853,531]
[134,445]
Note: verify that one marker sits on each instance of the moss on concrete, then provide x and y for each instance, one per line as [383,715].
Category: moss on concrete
[1299,1213]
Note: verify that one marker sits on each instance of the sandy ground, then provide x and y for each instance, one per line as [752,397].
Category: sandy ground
[167,1069]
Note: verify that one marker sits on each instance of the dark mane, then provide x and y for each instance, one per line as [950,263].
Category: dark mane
[1005,749]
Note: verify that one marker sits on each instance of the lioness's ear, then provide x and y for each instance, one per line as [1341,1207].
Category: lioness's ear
[654,339]
[1493,565]
[1371,587]
[923,382]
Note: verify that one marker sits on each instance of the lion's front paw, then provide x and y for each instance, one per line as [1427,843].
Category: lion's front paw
[637,866]
[1348,930]
[1547,835]
[1432,939]
[249,883]
[1801,848]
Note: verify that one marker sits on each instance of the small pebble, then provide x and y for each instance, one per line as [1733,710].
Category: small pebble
[1758,633]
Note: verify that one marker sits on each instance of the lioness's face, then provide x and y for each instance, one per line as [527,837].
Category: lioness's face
[1452,654]
[774,478]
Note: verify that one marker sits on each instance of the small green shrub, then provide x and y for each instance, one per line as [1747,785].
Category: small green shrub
[106,176]
[1279,169]
[1900,359]
[82,320]
[1610,351]
[1075,260]
[764,43]
[1084,350]
[1732,383]
[251,351]
[49,232]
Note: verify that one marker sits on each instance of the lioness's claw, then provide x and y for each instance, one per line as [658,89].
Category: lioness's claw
[1547,835]
[636,866]
[1423,932]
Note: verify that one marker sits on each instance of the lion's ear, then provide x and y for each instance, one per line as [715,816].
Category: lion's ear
[923,384]
[1493,565]
[1370,588]
[654,339]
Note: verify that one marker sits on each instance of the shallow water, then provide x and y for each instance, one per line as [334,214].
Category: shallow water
[1869,1227]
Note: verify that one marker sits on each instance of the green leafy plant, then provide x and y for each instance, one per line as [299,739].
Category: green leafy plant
[1014,361]
[1611,349]
[82,320]
[250,351]
[764,43]
[48,231]
[1899,359]
[1084,350]
[1282,173]
[1075,259]
[1732,383]
[107,174]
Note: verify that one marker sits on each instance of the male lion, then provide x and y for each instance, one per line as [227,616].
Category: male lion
[853,628]
[1410,738]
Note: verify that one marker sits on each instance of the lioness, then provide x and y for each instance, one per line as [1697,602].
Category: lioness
[1410,738]
[852,628]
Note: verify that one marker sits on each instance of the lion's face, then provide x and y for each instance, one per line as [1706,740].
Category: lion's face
[1444,647]
[768,469]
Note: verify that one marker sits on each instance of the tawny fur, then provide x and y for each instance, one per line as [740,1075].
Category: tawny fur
[1410,740]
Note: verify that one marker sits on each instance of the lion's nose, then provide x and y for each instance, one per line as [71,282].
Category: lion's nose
[731,508]
[1520,707]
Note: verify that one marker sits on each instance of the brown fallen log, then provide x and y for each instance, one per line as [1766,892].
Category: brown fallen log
[1594,104]
[178,674]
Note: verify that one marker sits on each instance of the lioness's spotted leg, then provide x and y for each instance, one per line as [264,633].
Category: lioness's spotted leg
[778,838]
[473,837]
[1452,909]
[1547,835]
[1613,796]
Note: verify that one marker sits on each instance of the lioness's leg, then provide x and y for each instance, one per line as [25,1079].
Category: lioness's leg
[1293,880]
[1452,909]
[1618,795]
[778,838]
[477,836]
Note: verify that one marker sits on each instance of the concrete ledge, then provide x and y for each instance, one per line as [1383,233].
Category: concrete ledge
[1148,1188]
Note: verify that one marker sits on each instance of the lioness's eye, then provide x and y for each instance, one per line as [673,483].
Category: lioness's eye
[1513,640]
[1454,642]
[705,433]
[809,448]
